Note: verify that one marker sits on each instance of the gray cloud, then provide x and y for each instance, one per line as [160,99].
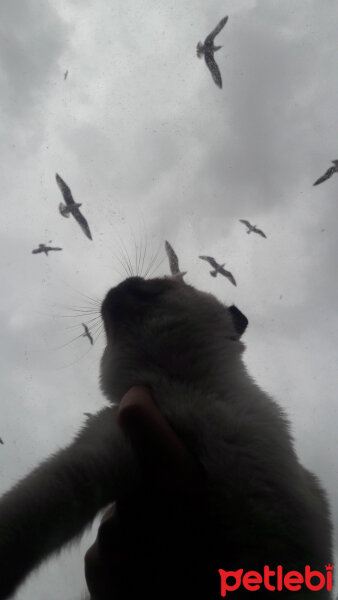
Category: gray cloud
[155,151]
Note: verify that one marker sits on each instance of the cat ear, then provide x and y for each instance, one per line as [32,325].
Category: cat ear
[239,320]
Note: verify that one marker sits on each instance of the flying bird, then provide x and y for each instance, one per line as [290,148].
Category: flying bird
[253,228]
[209,49]
[87,333]
[71,207]
[218,269]
[328,173]
[1,442]
[173,262]
[45,249]
[65,75]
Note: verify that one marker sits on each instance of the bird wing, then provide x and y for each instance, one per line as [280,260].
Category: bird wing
[37,250]
[67,194]
[213,68]
[173,259]
[245,223]
[260,232]
[210,260]
[82,222]
[49,248]
[326,175]
[87,333]
[218,28]
[228,275]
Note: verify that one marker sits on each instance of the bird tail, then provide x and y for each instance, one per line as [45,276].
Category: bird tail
[179,275]
[213,273]
[199,49]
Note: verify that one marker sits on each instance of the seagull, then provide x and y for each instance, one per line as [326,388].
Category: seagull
[253,228]
[328,173]
[87,334]
[71,207]
[218,269]
[1,442]
[173,262]
[45,249]
[208,49]
[65,75]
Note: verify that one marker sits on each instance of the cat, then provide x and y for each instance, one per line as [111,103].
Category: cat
[264,507]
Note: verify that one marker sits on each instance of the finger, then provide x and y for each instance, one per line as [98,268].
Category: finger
[95,572]
[161,453]
[108,527]
[103,572]
[105,559]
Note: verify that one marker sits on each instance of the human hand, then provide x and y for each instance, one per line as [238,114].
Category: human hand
[154,542]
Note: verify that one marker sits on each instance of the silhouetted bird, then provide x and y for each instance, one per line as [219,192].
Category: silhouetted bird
[208,49]
[45,249]
[328,173]
[65,75]
[87,333]
[1,442]
[253,228]
[218,269]
[71,207]
[173,262]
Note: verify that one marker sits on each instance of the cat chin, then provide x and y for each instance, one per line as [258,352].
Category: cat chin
[115,387]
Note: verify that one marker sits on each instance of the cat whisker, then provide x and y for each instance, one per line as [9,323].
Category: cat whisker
[93,321]
[156,267]
[70,316]
[127,257]
[68,343]
[145,250]
[82,309]
[98,333]
[75,361]
[150,261]
[153,260]
[136,250]
[121,263]
[93,299]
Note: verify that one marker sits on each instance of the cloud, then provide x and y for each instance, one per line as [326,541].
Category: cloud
[155,151]
[32,41]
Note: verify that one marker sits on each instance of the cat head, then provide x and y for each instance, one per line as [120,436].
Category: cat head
[165,329]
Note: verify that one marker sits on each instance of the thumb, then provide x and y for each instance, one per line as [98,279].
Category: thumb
[159,450]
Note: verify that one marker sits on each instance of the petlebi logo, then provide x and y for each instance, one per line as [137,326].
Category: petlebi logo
[276,580]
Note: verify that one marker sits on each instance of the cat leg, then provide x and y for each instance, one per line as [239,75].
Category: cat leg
[54,503]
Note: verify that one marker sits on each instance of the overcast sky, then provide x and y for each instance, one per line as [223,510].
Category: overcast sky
[154,151]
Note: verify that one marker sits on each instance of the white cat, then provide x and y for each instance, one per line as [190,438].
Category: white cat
[264,507]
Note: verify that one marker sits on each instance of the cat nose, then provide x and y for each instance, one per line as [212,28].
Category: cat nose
[131,284]
[131,280]
[116,298]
